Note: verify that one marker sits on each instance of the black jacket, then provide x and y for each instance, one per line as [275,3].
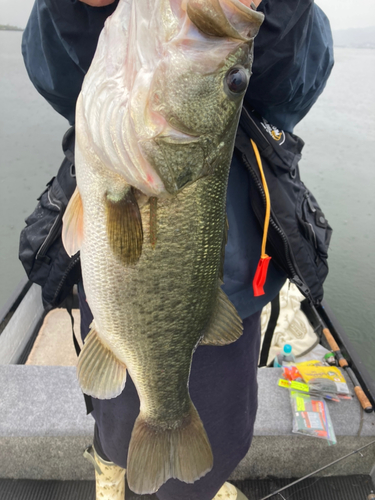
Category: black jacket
[293,59]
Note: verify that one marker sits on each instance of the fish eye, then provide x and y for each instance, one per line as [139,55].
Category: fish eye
[236,80]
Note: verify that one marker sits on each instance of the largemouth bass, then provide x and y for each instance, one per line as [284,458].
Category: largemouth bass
[155,127]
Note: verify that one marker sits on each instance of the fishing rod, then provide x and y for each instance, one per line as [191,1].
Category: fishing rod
[362,398]
[318,470]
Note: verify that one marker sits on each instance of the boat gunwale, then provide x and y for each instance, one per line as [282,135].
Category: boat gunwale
[324,311]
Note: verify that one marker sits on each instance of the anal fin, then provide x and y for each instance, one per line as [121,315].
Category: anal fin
[72,232]
[225,326]
[100,373]
[124,226]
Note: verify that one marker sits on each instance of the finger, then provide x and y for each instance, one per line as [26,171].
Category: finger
[97,3]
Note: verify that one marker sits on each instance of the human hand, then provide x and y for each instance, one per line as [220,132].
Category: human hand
[97,3]
[249,2]
[103,3]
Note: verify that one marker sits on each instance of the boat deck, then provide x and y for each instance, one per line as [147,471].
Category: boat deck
[44,429]
[324,488]
[54,344]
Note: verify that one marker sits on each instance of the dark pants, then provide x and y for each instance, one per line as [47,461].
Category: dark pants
[223,387]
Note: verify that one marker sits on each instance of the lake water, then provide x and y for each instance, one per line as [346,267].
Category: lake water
[337,165]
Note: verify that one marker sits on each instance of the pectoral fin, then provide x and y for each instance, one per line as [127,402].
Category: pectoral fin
[124,226]
[225,326]
[100,373]
[72,232]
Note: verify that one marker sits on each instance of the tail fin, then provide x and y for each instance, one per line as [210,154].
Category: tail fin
[157,454]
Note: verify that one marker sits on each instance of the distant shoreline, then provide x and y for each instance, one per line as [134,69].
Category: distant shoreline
[343,39]
[7,27]
[355,38]
[364,46]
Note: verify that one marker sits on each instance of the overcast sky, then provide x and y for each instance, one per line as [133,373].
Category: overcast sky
[342,13]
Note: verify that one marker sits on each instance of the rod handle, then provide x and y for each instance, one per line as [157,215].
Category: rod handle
[333,345]
[362,398]
[342,361]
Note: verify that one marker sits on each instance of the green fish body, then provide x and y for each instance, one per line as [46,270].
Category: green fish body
[155,135]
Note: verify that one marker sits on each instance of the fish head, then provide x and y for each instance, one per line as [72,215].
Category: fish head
[182,72]
[197,89]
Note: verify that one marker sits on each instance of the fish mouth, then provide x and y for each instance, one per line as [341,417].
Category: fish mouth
[225,18]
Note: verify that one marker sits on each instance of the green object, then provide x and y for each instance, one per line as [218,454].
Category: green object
[330,359]
[329,355]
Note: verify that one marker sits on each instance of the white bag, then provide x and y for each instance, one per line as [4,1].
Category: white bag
[292,326]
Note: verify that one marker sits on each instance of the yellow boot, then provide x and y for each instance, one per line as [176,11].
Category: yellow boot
[229,492]
[109,480]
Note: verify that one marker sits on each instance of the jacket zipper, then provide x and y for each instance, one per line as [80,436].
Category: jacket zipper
[292,265]
[53,232]
[312,210]
[72,264]
[50,238]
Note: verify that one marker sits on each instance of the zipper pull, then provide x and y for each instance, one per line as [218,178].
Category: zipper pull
[302,286]
[262,268]
[261,275]
[309,202]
